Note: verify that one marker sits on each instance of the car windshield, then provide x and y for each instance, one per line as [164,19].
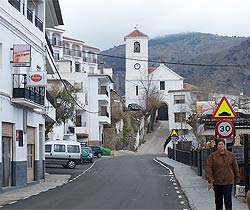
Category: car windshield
[87,149]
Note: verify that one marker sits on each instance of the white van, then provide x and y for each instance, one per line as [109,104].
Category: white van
[65,153]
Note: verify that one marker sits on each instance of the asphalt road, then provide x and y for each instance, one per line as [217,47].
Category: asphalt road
[133,181]
[125,182]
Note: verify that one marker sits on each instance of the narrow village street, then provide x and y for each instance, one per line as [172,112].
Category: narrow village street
[154,141]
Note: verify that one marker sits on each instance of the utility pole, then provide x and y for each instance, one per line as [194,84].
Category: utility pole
[246,162]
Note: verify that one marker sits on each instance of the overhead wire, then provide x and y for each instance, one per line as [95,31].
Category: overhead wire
[157,61]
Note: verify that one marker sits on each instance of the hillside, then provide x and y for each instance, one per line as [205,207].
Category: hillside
[198,48]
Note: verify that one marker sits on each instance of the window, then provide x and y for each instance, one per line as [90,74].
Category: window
[77,67]
[59,148]
[136,90]
[179,99]
[180,117]
[54,41]
[29,156]
[56,56]
[91,70]
[47,148]
[162,85]
[137,47]
[78,120]
[73,148]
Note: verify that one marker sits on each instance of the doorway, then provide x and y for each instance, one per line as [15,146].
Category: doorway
[163,112]
[6,161]
[30,154]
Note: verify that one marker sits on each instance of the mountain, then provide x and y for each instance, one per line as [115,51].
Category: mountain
[197,48]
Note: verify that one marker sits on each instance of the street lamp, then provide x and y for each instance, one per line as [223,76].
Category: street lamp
[58,99]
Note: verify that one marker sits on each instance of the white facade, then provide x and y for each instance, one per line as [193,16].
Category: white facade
[162,79]
[22,123]
[77,63]
[136,65]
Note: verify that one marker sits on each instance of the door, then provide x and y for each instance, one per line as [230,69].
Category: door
[6,161]
[7,137]
[30,154]
[163,112]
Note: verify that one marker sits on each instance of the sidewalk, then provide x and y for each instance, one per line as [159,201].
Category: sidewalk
[51,181]
[195,187]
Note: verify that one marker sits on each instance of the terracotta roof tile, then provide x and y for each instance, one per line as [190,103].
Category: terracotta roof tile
[87,46]
[71,39]
[136,33]
[151,69]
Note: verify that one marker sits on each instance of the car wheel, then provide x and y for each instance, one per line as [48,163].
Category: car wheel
[99,155]
[71,164]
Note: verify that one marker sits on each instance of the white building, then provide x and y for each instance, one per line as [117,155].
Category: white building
[77,63]
[22,88]
[168,83]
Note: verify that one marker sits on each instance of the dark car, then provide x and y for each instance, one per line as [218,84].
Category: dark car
[134,107]
[97,151]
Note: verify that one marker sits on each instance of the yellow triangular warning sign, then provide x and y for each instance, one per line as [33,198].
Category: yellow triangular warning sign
[174,133]
[224,110]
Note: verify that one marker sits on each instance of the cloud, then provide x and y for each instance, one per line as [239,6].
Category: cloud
[104,23]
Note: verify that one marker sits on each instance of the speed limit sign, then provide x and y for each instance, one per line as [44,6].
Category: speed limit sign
[224,128]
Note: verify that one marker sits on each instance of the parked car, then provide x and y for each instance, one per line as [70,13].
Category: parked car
[134,107]
[87,154]
[105,151]
[65,153]
[97,151]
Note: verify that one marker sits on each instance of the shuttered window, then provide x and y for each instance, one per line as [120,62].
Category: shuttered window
[179,99]
[7,129]
[30,135]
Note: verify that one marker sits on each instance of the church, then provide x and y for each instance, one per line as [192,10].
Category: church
[142,80]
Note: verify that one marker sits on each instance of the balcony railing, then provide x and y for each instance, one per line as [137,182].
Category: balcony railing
[104,113]
[49,44]
[38,23]
[89,60]
[103,90]
[15,3]
[29,15]
[56,42]
[21,91]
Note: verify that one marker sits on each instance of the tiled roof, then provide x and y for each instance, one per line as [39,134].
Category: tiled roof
[151,69]
[71,39]
[136,33]
[87,46]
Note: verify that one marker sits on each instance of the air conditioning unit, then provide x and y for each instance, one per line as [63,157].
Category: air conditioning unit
[240,191]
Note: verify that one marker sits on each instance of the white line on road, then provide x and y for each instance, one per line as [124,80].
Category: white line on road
[12,202]
[170,171]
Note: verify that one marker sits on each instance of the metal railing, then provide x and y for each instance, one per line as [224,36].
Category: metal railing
[39,23]
[29,15]
[20,90]
[15,3]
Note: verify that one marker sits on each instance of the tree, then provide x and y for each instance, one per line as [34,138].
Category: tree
[151,99]
[66,109]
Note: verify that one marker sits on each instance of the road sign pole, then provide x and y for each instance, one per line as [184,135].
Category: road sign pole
[246,162]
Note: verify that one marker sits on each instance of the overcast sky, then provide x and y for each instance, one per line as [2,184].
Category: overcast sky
[104,23]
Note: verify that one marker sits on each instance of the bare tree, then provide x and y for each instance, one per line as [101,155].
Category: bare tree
[151,99]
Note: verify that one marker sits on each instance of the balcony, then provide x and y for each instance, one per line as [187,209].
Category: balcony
[38,23]
[17,4]
[104,116]
[32,97]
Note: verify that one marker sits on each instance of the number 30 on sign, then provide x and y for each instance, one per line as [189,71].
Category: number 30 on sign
[224,128]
